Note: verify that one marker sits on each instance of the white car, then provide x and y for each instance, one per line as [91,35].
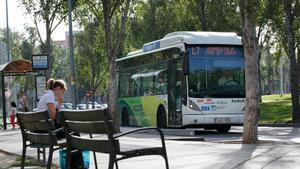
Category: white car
[67,106]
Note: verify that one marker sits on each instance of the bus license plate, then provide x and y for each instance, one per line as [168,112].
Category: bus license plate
[222,120]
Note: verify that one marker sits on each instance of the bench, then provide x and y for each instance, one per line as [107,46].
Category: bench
[38,131]
[95,122]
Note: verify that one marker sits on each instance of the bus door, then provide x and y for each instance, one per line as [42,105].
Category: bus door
[175,92]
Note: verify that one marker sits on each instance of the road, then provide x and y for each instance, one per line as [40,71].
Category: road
[279,148]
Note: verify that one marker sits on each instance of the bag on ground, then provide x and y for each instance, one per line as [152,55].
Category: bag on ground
[79,159]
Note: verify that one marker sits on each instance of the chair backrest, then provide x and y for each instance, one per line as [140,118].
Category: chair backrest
[92,121]
[37,127]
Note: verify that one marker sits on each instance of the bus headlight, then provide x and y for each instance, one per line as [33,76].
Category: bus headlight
[193,106]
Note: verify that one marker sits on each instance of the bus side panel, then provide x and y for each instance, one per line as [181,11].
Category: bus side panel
[150,106]
[134,108]
[141,110]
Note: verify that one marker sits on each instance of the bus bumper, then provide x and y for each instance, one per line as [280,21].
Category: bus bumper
[233,119]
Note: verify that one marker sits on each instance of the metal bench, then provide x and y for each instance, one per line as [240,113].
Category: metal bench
[96,122]
[38,131]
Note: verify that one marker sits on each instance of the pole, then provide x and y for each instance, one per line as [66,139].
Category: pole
[72,64]
[3,101]
[7,33]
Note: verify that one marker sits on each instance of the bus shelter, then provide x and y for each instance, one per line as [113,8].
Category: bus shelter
[14,68]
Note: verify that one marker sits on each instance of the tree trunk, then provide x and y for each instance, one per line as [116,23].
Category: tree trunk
[201,5]
[93,84]
[248,20]
[289,22]
[113,48]
[113,92]
[48,48]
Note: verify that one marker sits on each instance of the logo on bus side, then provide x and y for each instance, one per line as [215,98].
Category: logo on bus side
[215,107]
[211,101]
[137,107]
[238,100]
[206,101]
[205,108]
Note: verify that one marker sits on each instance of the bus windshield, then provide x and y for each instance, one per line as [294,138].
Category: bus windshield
[216,72]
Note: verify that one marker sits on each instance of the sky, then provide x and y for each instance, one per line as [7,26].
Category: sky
[17,19]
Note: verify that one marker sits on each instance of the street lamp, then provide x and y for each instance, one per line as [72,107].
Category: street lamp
[72,64]
[7,33]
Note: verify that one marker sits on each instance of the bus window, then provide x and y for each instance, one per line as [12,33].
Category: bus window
[217,76]
[161,84]
[147,86]
[135,87]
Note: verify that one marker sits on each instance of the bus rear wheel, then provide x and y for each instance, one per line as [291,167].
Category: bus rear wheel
[161,118]
[222,129]
[125,117]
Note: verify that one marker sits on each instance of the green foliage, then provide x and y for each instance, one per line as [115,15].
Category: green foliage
[14,41]
[60,68]
[90,58]
[153,19]
[276,109]
[43,9]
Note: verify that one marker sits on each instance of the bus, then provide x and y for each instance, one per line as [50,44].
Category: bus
[186,79]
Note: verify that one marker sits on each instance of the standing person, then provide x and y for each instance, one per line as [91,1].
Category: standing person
[53,98]
[22,102]
[162,88]
[13,113]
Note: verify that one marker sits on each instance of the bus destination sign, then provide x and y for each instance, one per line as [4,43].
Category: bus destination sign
[151,46]
[217,51]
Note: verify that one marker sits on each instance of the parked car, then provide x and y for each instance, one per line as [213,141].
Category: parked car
[67,106]
[81,106]
[90,106]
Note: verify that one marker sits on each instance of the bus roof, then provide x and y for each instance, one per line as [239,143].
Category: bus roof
[188,37]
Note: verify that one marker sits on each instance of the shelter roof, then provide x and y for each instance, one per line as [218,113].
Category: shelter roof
[16,66]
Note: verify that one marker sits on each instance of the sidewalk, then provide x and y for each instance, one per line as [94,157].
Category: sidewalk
[280,149]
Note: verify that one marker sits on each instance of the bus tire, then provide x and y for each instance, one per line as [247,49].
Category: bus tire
[222,129]
[161,118]
[125,117]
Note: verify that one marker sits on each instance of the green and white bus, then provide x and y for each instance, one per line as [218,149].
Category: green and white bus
[186,79]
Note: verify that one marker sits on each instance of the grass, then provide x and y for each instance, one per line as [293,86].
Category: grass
[29,162]
[276,109]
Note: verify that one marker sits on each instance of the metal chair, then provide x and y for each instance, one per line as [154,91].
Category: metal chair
[38,131]
[99,121]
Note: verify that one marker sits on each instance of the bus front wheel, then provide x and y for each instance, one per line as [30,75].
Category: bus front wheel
[222,129]
[161,118]
[125,117]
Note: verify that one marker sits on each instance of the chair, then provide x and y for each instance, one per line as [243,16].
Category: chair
[38,131]
[99,121]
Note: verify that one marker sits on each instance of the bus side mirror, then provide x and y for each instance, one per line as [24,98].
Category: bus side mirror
[186,65]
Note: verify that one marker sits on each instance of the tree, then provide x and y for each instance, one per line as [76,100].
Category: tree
[291,10]
[248,22]
[92,69]
[154,19]
[115,15]
[52,13]
[217,15]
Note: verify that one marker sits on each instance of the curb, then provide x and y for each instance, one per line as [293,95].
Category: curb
[279,125]
[8,153]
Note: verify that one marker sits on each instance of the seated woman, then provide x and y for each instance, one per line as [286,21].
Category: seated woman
[53,98]
[52,101]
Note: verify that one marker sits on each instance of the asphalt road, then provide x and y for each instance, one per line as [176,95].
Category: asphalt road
[279,148]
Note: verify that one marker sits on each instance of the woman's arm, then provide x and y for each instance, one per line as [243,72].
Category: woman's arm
[52,110]
[59,99]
